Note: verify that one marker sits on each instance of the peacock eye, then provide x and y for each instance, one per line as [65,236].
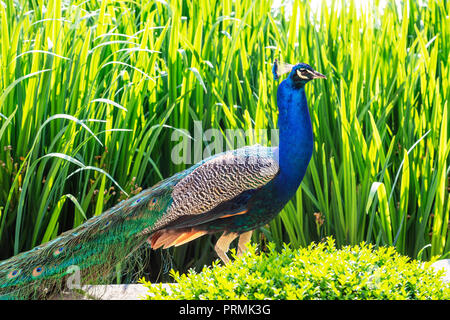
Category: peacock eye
[13,274]
[37,271]
[58,251]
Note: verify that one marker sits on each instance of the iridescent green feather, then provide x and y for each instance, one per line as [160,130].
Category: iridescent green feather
[94,247]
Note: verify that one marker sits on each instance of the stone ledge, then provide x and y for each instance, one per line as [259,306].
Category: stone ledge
[108,292]
[443,264]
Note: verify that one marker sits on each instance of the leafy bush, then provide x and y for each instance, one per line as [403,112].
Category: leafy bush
[320,271]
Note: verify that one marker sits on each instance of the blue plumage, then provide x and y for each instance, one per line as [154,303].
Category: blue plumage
[296,136]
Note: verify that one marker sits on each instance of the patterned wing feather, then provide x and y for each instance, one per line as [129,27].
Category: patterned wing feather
[219,180]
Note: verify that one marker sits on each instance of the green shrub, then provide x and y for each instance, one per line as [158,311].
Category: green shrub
[320,271]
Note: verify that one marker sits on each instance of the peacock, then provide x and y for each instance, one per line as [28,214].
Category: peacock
[233,192]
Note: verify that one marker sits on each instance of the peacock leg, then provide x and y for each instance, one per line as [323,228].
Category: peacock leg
[243,240]
[223,244]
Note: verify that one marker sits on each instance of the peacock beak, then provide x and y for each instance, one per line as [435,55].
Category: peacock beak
[317,75]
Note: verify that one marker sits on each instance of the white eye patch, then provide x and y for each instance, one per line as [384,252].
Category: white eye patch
[301,76]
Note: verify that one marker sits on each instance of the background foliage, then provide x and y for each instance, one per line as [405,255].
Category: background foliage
[91,91]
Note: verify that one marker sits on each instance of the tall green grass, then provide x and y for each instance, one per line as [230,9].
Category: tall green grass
[91,91]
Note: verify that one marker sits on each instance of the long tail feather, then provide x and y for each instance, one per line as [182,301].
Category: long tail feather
[94,248]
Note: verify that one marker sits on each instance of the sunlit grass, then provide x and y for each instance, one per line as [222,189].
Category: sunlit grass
[90,93]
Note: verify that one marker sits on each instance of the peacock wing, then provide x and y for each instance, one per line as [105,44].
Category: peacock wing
[219,187]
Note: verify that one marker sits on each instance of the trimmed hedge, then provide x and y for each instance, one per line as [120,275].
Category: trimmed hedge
[320,271]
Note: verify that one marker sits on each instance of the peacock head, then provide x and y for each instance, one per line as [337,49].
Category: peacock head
[299,74]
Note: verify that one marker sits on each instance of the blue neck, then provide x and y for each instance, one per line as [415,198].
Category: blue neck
[296,138]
